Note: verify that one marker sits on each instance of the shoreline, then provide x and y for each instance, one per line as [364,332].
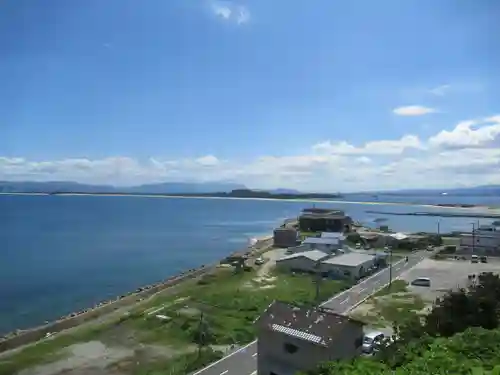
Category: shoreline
[477,208]
[19,338]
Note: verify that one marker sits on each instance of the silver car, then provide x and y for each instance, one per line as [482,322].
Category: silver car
[372,341]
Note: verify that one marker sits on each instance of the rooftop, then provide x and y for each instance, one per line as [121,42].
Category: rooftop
[321,240]
[314,324]
[314,255]
[352,259]
[338,235]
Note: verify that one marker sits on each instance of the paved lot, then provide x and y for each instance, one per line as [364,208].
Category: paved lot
[445,275]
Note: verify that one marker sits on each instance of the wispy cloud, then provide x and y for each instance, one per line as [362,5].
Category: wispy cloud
[230,11]
[440,90]
[413,110]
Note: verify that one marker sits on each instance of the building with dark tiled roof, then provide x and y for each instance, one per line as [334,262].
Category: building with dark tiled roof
[297,338]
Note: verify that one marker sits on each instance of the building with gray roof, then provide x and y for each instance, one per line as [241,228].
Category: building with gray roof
[297,338]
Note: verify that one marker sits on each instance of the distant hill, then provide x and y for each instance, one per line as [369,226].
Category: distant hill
[74,187]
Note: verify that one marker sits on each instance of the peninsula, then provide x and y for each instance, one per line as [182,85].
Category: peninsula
[237,193]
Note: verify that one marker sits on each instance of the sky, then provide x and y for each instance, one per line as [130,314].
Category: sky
[316,95]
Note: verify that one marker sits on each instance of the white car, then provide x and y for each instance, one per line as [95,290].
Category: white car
[371,341]
[259,261]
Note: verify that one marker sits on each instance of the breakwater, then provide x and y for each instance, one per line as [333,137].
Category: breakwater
[440,214]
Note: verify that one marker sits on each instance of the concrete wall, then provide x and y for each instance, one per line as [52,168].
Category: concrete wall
[272,356]
[301,263]
[38,333]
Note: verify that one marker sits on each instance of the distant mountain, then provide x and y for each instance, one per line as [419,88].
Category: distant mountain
[74,187]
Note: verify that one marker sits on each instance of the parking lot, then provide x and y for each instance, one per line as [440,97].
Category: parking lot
[445,275]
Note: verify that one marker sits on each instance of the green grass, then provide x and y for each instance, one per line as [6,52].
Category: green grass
[229,308]
[400,310]
[47,351]
[179,365]
[398,286]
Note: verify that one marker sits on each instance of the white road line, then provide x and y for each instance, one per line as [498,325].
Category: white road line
[362,289]
[253,373]
[226,357]
[344,301]
[224,372]
[254,354]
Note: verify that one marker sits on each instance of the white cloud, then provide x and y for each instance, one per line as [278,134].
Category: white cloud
[413,110]
[470,134]
[469,154]
[384,147]
[440,90]
[230,11]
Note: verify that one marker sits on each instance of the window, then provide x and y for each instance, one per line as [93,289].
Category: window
[290,348]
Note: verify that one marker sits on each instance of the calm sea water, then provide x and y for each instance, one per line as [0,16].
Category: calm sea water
[59,254]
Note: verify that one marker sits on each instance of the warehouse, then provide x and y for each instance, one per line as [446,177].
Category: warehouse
[328,245]
[353,265]
[307,261]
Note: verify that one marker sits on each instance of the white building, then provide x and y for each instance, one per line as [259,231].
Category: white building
[353,265]
[329,245]
[306,261]
[485,240]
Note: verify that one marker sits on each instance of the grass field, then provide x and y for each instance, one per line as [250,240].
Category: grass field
[217,310]
[229,304]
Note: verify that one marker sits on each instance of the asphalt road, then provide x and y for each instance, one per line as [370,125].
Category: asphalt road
[244,360]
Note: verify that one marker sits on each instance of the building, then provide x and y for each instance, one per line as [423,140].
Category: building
[324,220]
[293,338]
[352,265]
[306,261]
[485,240]
[285,237]
[329,245]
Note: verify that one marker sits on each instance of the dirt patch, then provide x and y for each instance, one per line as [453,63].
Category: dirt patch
[88,358]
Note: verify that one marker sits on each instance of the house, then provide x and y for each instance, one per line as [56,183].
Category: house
[306,261]
[324,220]
[352,265]
[329,245]
[293,338]
[285,237]
[485,240]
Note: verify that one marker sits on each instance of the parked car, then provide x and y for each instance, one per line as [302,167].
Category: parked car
[474,259]
[372,341]
[421,281]
[259,261]
[483,259]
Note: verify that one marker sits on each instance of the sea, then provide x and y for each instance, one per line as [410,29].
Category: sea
[60,254]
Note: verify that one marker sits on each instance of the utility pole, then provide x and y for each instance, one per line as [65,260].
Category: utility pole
[318,281]
[201,334]
[390,267]
[473,238]
[438,225]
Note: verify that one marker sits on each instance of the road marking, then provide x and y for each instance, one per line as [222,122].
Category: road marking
[254,355]
[253,373]
[385,270]
[224,372]
[226,357]
[362,289]
[344,301]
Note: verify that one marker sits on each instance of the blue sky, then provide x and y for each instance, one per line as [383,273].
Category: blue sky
[303,94]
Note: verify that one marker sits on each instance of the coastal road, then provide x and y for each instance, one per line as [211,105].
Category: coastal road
[244,360]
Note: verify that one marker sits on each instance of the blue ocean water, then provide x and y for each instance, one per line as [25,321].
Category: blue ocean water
[59,254]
